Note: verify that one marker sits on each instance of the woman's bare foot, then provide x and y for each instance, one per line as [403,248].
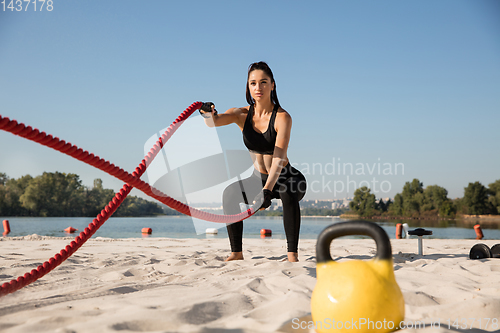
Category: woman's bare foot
[293,256]
[235,256]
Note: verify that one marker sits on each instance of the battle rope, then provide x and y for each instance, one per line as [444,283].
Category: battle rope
[131,180]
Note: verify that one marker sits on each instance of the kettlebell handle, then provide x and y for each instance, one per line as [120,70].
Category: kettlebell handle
[352,228]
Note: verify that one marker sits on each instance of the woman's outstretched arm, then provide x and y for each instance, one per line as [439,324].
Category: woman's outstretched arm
[233,115]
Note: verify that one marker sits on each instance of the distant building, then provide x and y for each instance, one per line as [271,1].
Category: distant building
[325,204]
[276,205]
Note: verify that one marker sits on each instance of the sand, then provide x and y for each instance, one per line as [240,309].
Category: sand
[184,285]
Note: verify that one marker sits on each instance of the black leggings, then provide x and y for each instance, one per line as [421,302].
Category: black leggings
[290,188]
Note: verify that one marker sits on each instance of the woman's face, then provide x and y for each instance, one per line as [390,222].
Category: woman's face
[260,85]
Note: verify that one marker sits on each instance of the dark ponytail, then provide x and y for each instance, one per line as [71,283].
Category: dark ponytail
[264,67]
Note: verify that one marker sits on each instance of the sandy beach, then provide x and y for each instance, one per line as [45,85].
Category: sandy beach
[184,285]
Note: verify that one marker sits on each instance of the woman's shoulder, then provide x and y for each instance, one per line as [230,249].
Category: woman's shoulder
[283,115]
[238,115]
[239,110]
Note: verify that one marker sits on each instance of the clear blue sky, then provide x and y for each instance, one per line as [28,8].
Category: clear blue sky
[413,83]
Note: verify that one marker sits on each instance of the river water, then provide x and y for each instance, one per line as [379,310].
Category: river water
[185,227]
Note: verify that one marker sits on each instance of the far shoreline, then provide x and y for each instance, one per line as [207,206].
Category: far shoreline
[463,219]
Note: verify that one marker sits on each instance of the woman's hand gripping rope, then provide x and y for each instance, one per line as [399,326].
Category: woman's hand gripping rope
[207,110]
[263,199]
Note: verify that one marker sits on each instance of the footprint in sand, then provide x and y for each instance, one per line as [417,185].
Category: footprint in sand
[495,268]
[293,271]
[32,265]
[259,286]
[128,274]
[130,262]
[124,290]
[206,312]
[142,326]
[152,261]
[199,262]
[107,263]
[419,299]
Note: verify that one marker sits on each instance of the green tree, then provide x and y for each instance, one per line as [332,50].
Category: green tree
[388,205]
[382,206]
[410,189]
[396,209]
[134,206]
[458,203]
[96,198]
[412,197]
[3,205]
[434,197]
[12,192]
[494,196]
[54,194]
[476,199]
[3,178]
[447,209]
[169,211]
[363,202]
[60,194]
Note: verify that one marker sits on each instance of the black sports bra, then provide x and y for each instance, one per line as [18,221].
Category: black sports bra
[260,143]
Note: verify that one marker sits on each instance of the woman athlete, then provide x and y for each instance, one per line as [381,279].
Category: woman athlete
[266,132]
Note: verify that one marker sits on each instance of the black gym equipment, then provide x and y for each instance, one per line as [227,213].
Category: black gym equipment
[495,251]
[482,251]
[420,232]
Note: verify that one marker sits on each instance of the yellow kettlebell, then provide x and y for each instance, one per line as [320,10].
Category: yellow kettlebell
[356,296]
